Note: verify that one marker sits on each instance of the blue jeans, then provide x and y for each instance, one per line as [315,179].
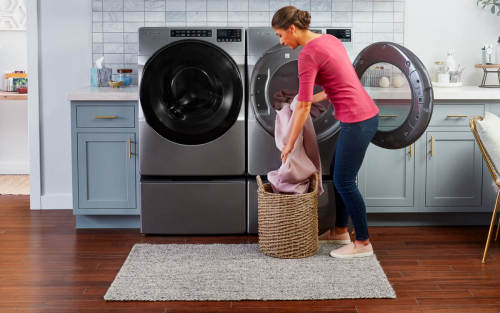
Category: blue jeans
[350,151]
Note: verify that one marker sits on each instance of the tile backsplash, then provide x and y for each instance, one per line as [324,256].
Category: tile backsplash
[115,22]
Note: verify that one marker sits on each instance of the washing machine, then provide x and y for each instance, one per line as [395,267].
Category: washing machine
[272,67]
[192,130]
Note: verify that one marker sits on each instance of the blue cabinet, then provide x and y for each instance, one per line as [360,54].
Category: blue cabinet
[106,171]
[104,143]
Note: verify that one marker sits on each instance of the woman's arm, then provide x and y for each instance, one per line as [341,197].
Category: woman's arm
[299,119]
[320,96]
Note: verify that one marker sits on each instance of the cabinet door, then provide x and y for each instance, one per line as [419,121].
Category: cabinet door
[454,170]
[387,177]
[106,171]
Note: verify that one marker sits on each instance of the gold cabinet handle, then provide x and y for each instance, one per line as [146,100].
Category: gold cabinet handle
[130,148]
[456,115]
[432,146]
[411,151]
[110,116]
[388,116]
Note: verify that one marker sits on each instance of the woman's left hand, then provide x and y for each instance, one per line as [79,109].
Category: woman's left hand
[286,151]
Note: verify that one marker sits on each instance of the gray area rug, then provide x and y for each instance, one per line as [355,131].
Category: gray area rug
[221,272]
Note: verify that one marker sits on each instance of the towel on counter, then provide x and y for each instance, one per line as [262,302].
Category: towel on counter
[304,160]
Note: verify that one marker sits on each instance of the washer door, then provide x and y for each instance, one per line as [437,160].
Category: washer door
[277,70]
[405,112]
[191,92]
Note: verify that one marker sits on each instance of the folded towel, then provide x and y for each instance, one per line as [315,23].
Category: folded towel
[303,161]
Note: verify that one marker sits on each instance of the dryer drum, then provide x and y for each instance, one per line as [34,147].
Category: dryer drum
[191,92]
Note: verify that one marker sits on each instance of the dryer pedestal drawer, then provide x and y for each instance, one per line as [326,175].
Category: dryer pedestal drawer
[105,116]
[192,207]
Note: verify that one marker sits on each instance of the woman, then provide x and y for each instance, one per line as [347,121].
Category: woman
[324,62]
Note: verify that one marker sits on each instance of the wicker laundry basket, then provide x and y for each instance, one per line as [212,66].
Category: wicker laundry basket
[288,224]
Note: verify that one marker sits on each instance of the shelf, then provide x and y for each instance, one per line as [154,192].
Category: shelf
[4,95]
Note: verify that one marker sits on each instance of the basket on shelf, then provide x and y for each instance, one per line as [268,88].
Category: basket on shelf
[371,77]
[288,224]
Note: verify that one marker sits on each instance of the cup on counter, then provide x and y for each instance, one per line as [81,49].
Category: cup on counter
[455,76]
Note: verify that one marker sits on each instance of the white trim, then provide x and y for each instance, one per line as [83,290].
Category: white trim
[14,169]
[33,105]
[57,202]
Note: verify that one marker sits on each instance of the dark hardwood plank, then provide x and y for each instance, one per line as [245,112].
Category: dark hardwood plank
[47,265]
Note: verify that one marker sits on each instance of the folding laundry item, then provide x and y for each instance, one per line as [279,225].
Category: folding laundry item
[285,96]
[303,161]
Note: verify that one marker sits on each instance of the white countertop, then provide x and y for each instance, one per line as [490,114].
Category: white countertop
[89,93]
[440,93]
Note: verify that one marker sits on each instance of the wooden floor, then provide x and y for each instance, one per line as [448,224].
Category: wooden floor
[46,265]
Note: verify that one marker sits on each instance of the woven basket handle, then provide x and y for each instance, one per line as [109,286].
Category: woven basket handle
[259,182]
[315,181]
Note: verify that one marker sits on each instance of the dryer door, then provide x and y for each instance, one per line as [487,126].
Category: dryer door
[405,112]
[191,92]
[277,70]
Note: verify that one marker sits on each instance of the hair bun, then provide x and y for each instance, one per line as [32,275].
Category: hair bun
[304,17]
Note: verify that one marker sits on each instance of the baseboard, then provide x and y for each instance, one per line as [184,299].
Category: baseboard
[14,168]
[108,221]
[429,219]
[57,202]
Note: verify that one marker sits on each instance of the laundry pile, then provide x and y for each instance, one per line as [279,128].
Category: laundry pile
[304,160]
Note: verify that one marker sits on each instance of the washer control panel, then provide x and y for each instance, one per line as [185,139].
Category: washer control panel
[190,33]
[343,35]
[229,35]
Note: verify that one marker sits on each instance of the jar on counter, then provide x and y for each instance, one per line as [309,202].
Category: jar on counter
[443,75]
[124,75]
[435,73]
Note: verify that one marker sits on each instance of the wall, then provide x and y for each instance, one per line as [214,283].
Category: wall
[435,26]
[64,65]
[430,29]
[115,23]
[14,157]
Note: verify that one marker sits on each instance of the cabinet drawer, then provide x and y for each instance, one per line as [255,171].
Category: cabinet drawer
[393,114]
[105,116]
[455,115]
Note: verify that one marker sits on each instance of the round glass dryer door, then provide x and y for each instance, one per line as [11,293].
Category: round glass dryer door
[399,84]
[277,71]
[191,92]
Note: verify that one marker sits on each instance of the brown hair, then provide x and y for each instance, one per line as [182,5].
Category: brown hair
[289,15]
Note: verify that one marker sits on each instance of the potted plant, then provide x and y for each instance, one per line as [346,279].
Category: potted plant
[495,4]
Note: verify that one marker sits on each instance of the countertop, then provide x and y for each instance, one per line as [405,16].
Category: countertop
[440,93]
[5,95]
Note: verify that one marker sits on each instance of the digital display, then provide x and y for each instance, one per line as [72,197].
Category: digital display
[229,35]
[343,35]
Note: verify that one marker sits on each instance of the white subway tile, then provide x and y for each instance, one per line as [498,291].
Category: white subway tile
[399,6]
[175,5]
[97,27]
[130,27]
[217,24]
[321,16]
[362,6]
[363,27]
[321,5]
[342,17]
[97,38]
[301,4]
[399,27]
[275,5]
[175,16]
[112,6]
[196,5]
[217,5]
[238,24]
[97,48]
[113,37]
[196,16]
[364,38]
[133,17]
[237,5]
[113,48]
[130,37]
[175,24]
[112,27]
[343,6]
[259,17]
[154,6]
[133,6]
[258,5]
[216,16]
[362,17]
[96,16]
[131,58]
[155,16]
[383,17]
[383,37]
[154,24]
[383,27]
[114,58]
[383,6]
[399,17]
[112,16]
[96,6]
[197,24]
[237,16]
[131,48]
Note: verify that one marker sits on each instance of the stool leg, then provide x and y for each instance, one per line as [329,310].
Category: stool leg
[492,225]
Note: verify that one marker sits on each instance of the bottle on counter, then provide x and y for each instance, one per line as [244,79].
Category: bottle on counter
[444,75]
[450,61]
[497,57]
